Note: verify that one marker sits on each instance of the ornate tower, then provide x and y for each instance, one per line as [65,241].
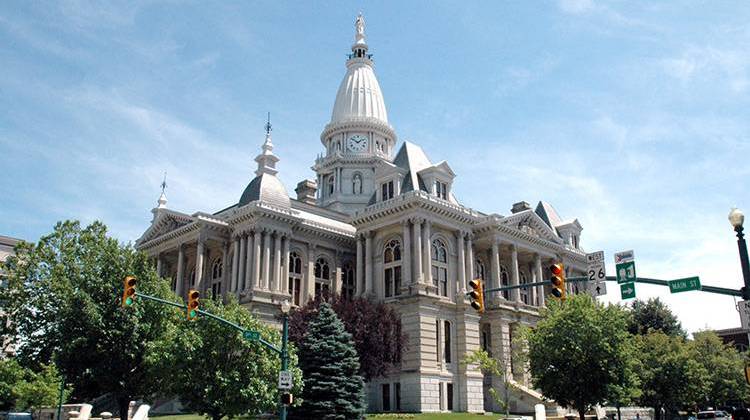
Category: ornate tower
[358,136]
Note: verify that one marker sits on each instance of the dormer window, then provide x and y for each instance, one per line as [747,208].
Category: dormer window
[387,190]
[441,190]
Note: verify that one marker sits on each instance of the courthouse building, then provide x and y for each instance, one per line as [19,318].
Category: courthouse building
[380,219]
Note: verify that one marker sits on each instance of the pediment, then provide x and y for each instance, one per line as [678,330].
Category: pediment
[164,222]
[531,224]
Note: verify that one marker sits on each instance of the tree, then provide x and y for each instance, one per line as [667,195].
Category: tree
[669,373]
[333,387]
[374,326]
[24,389]
[724,366]
[654,315]
[215,371]
[491,366]
[63,303]
[579,351]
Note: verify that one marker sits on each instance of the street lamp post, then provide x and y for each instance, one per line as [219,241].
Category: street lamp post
[736,218]
[285,307]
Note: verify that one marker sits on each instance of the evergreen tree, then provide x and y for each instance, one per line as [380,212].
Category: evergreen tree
[333,388]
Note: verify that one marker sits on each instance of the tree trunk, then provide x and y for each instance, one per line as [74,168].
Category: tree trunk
[582,413]
[619,417]
[123,405]
[216,416]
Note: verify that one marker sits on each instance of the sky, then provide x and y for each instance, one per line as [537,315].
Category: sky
[632,117]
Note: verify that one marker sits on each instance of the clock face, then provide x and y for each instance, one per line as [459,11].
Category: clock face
[357,143]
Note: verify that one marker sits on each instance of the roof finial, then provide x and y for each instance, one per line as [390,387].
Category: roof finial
[268,125]
[163,197]
[266,159]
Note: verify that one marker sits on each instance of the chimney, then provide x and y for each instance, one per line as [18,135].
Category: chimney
[306,191]
[520,206]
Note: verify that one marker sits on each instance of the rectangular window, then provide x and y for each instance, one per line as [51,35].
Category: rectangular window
[437,340]
[449,395]
[397,392]
[386,397]
[294,284]
[447,342]
[440,396]
[388,281]
[441,190]
[487,339]
[443,278]
[396,281]
[387,190]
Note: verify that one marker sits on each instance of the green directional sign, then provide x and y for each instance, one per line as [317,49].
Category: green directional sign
[625,272]
[627,290]
[684,285]
[251,335]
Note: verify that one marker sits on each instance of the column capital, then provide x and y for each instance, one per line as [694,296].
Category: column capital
[406,222]
[417,220]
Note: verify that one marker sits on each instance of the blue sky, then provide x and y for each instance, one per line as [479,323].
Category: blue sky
[630,116]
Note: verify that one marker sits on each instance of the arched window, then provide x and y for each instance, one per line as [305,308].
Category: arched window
[295,277]
[191,277]
[525,292]
[217,269]
[392,265]
[357,183]
[348,288]
[331,184]
[440,266]
[504,281]
[479,271]
[322,277]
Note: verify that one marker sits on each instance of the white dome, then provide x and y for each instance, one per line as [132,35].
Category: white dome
[359,94]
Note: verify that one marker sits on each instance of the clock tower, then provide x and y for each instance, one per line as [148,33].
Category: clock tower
[358,137]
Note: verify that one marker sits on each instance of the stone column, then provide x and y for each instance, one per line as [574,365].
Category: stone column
[256,259]
[224,268]
[427,254]
[247,280]
[284,281]
[531,290]
[159,264]
[266,260]
[461,285]
[235,263]
[180,270]
[418,277]
[406,257]
[276,262]
[515,294]
[539,275]
[360,267]
[495,267]
[369,280]
[309,279]
[199,255]
[469,261]
[241,264]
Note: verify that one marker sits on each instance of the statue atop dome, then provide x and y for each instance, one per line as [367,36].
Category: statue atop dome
[359,24]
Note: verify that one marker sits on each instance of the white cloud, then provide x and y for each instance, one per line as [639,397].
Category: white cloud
[712,66]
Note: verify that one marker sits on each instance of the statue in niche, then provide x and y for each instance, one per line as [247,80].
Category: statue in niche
[357,184]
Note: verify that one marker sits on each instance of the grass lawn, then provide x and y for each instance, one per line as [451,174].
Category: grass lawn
[429,416]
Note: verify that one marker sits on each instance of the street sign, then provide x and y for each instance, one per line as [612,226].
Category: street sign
[598,288]
[625,266]
[627,290]
[683,285]
[744,308]
[285,380]
[596,274]
[251,335]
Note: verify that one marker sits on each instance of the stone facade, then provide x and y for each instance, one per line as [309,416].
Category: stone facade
[382,222]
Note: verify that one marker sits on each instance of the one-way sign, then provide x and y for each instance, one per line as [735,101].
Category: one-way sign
[597,288]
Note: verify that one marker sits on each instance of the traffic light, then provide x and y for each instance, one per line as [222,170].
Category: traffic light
[558,280]
[193,304]
[128,294]
[287,398]
[477,295]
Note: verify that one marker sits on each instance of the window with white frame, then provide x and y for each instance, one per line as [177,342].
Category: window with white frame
[440,266]
[386,190]
[348,287]
[322,277]
[295,277]
[392,268]
[504,281]
[441,190]
[217,269]
[524,292]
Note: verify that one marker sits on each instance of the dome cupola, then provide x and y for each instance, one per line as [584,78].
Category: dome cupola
[266,187]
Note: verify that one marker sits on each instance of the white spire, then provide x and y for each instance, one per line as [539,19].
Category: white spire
[266,159]
[163,197]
